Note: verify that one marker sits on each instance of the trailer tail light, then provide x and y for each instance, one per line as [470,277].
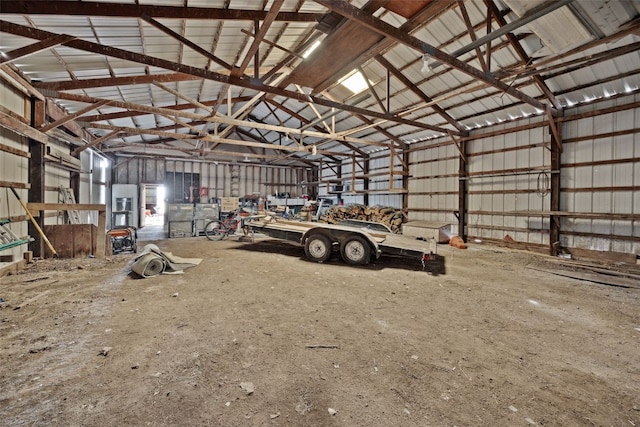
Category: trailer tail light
[433,263]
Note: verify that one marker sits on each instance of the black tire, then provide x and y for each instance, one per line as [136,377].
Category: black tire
[317,248]
[355,250]
[213,230]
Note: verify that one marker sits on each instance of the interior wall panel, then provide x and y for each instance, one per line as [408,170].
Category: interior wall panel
[600,175]
[216,177]
[13,168]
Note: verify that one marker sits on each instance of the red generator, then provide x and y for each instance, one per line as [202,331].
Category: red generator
[123,238]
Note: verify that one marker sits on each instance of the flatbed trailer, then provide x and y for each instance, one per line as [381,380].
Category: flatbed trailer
[357,246]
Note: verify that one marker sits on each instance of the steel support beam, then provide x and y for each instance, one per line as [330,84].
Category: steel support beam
[554,204]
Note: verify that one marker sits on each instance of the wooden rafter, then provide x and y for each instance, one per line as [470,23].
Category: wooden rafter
[134,113]
[372,90]
[306,121]
[472,34]
[273,44]
[217,119]
[89,8]
[524,58]
[429,13]
[211,75]
[96,141]
[75,115]
[184,97]
[239,71]
[382,27]
[458,145]
[416,90]
[272,13]
[168,31]
[35,48]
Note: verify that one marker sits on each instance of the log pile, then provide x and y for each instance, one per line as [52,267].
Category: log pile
[391,217]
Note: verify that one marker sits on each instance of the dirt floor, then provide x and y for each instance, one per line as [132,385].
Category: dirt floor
[257,336]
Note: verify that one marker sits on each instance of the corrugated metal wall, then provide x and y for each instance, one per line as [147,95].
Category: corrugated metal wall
[509,174]
[433,182]
[218,178]
[601,176]
[14,172]
[508,178]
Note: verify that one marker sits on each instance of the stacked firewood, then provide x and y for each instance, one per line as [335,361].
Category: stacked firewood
[391,217]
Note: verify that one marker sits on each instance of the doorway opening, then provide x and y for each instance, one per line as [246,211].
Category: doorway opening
[154,204]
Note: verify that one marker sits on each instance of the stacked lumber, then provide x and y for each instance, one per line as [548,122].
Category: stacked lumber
[391,217]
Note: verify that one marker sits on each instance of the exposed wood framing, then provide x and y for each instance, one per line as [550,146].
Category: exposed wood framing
[459,146]
[73,116]
[37,149]
[95,142]
[9,122]
[413,88]
[382,27]
[18,82]
[524,58]
[472,35]
[114,81]
[531,15]
[231,80]
[555,132]
[35,48]
[15,151]
[52,7]
[186,42]
[217,119]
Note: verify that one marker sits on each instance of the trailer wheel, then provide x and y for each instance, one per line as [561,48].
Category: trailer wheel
[318,248]
[355,250]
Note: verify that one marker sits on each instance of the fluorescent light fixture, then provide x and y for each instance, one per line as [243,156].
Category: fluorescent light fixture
[354,82]
[311,49]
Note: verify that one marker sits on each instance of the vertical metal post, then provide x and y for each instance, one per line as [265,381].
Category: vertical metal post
[366,180]
[556,165]
[462,191]
[405,180]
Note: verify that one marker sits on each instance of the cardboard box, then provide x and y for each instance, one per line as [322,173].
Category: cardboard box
[228,204]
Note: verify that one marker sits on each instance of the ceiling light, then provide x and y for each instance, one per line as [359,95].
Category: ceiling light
[426,68]
[311,49]
[314,150]
[355,82]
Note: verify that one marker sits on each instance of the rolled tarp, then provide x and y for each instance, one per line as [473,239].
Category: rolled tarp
[153,261]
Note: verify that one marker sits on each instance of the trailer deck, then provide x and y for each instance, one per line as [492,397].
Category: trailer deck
[356,244]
